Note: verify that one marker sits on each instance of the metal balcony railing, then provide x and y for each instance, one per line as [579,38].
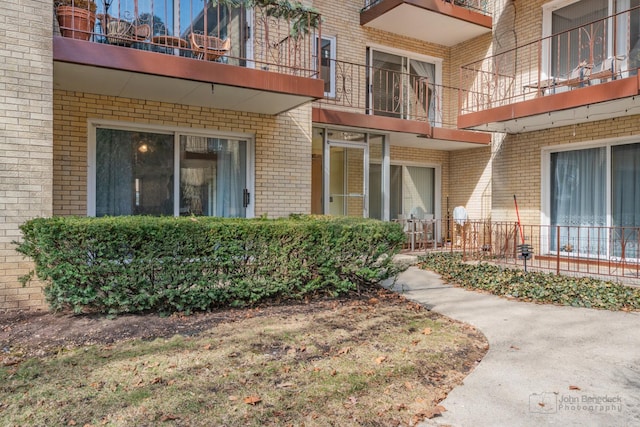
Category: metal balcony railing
[598,251]
[365,89]
[480,6]
[598,52]
[262,37]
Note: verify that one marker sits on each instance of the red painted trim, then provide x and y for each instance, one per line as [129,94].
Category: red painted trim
[145,62]
[603,92]
[390,124]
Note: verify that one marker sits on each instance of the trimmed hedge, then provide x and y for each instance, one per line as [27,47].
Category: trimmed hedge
[533,286]
[134,264]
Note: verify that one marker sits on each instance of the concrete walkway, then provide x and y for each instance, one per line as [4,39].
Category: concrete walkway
[547,365]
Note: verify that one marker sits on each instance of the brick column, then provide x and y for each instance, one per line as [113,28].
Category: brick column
[26,136]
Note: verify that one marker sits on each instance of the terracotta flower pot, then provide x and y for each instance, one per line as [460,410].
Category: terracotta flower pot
[75,22]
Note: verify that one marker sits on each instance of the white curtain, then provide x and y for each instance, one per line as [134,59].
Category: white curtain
[418,191]
[425,69]
[578,200]
[625,202]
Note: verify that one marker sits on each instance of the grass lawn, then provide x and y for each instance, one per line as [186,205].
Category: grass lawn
[369,360]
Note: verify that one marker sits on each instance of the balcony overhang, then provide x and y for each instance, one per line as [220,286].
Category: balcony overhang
[406,133]
[118,71]
[435,21]
[617,98]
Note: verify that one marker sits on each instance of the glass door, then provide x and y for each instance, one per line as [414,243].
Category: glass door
[213,177]
[348,169]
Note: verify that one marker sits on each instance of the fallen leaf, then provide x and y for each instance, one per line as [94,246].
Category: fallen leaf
[252,400]
[207,347]
[373,301]
[344,350]
[334,373]
[169,417]
[233,398]
[408,385]
[426,331]
[515,347]
[71,423]
[381,359]
[285,385]
[574,387]
[415,342]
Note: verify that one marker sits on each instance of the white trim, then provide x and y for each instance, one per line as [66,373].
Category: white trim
[176,131]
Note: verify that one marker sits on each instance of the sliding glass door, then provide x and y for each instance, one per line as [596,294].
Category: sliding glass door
[141,172]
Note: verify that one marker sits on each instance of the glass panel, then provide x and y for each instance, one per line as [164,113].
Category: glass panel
[422,104]
[625,199]
[386,80]
[212,176]
[587,44]
[418,192]
[578,198]
[327,66]
[395,192]
[376,196]
[346,181]
[317,173]
[134,173]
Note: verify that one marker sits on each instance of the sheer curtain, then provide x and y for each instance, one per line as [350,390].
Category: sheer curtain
[578,198]
[418,191]
[425,93]
[625,199]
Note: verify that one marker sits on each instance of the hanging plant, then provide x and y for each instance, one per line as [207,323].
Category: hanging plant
[303,18]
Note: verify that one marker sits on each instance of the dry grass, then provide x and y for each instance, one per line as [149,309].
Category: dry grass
[374,362]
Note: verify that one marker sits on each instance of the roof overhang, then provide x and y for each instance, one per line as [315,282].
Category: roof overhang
[434,21]
[617,98]
[406,133]
[132,73]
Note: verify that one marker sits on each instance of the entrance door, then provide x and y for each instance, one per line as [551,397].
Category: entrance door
[348,169]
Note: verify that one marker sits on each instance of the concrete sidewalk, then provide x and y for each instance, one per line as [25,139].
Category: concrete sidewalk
[538,356]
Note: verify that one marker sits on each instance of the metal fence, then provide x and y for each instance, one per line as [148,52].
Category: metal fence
[611,253]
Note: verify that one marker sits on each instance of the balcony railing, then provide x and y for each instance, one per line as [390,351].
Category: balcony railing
[480,6]
[599,251]
[598,52]
[258,37]
[370,90]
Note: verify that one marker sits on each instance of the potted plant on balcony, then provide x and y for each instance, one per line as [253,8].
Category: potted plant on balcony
[76,18]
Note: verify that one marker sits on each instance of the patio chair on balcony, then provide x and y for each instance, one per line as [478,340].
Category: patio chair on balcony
[123,33]
[209,48]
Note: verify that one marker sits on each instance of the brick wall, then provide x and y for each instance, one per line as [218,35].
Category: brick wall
[517,163]
[282,160]
[26,86]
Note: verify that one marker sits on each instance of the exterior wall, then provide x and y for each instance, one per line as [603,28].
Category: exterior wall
[282,160]
[26,122]
[517,163]
[428,157]
[470,177]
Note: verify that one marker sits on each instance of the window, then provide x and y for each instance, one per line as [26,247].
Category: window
[148,172]
[412,191]
[403,87]
[579,33]
[328,65]
[595,188]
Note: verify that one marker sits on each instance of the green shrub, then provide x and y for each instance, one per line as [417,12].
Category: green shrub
[134,264]
[533,286]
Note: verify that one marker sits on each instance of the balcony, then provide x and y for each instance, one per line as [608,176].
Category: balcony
[436,21]
[584,74]
[251,59]
[415,111]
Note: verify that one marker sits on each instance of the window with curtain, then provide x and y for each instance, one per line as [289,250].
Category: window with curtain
[579,197]
[625,199]
[575,38]
[135,174]
[402,87]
